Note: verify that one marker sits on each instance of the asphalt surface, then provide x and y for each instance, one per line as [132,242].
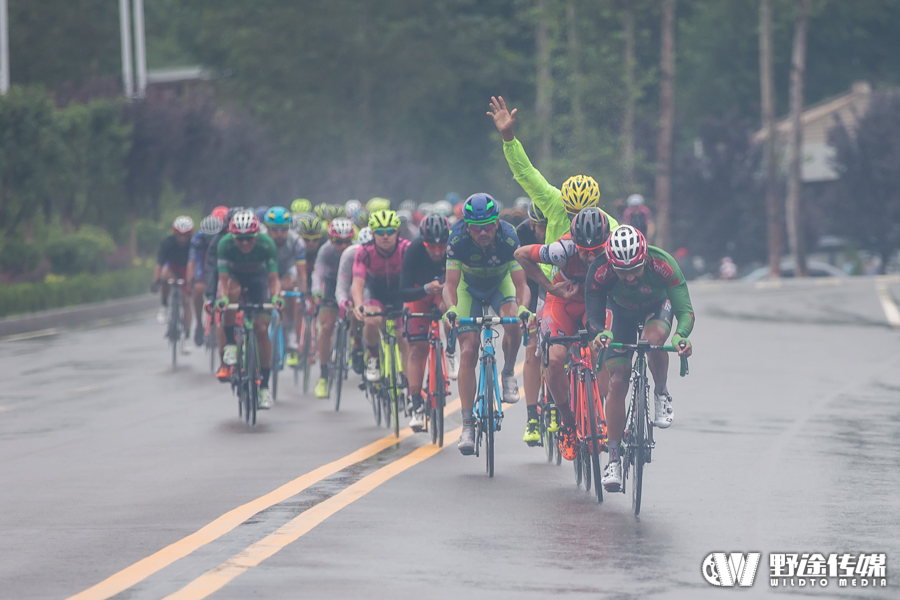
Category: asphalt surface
[786,439]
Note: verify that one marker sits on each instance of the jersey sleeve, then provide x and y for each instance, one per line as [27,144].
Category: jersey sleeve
[300,251]
[222,254]
[556,254]
[162,257]
[359,264]
[271,260]
[677,292]
[195,254]
[318,283]
[535,185]
[598,283]
[454,251]
[410,290]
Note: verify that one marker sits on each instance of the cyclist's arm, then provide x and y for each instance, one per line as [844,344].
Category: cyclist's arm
[523,294]
[318,283]
[666,267]
[410,291]
[191,270]
[451,297]
[301,276]
[274,284]
[224,280]
[530,267]
[545,196]
[596,290]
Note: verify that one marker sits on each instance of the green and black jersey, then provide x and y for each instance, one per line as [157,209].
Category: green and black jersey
[263,258]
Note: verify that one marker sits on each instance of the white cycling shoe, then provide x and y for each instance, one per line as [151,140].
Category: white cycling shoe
[229,355]
[665,414]
[510,388]
[373,370]
[265,399]
[452,365]
[612,476]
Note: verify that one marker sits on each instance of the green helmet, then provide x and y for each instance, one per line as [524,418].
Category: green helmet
[310,227]
[376,204]
[301,205]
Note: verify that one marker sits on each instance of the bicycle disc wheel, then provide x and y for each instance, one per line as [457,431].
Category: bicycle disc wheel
[489,416]
[595,445]
[640,431]
[440,398]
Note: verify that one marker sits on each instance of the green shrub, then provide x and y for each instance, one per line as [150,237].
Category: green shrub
[82,252]
[149,235]
[20,298]
[17,256]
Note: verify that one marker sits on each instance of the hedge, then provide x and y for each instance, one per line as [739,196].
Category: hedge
[20,298]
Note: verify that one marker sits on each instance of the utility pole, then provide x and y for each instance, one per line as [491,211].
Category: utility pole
[140,49]
[794,191]
[767,90]
[125,26]
[4,47]
[666,125]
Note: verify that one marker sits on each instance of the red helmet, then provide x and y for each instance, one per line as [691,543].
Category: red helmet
[341,229]
[626,248]
[244,223]
[220,211]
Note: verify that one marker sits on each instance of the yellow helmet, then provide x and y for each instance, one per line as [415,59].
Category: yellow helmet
[384,219]
[580,192]
[376,204]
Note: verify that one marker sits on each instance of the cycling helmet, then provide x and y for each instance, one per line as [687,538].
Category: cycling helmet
[590,228]
[301,205]
[580,192]
[443,207]
[384,219]
[341,229]
[535,214]
[626,248]
[635,200]
[376,204]
[220,211]
[452,198]
[351,206]
[365,235]
[361,218]
[277,217]
[321,210]
[405,217]
[310,227]
[426,207]
[480,209]
[523,202]
[183,224]
[211,225]
[409,205]
[436,229]
[336,211]
[260,212]
[244,223]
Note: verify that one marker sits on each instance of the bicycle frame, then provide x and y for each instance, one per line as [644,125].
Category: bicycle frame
[175,326]
[435,374]
[244,381]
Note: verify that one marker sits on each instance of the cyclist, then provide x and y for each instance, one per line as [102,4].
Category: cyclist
[311,229]
[481,269]
[376,283]
[533,231]
[325,276]
[248,261]
[345,300]
[292,267]
[171,263]
[210,227]
[563,311]
[422,286]
[639,216]
[640,284]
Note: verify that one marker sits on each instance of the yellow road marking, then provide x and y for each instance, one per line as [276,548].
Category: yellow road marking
[134,574]
[252,556]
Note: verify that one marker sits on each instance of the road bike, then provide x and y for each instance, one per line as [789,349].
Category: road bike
[210,343]
[279,345]
[245,382]
[387,394]
[587,406]
[638,439]
[546,415]
[487,410]
[437,386]
[175,323]
[338,361]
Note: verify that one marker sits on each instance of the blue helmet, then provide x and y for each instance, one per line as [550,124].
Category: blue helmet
[260,212]
[480,209]
[277,217]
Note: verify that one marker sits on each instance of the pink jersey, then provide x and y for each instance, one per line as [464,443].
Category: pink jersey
[380,272]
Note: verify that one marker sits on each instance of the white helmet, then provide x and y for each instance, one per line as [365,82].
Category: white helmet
[183,224]
[443,207]
[351,206]
[409,205]
[211,225]
[244,223]
[405,217]
[626,248]
[365,235]
[635,200]
[341,229]
[425,208]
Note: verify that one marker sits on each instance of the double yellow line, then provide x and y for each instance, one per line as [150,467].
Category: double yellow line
[256,553]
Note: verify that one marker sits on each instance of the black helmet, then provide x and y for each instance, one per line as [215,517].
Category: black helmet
[436,228]
[590,228]
[535,214]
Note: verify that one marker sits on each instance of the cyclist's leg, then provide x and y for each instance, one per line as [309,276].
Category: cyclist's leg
[226,335]
[288,283]
[657,329]
[372,335]
[531,374]
[624,329]
[504,304]
[417,338]
[165,274]
[197,293]
[327,319]
[556,322]
[257,288]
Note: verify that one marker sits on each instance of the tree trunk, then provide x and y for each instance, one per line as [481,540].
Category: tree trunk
[798,66]
[365,141]
[630,97]
[666,124]
[544,108]
[578,122]
[767,88]
[132,235]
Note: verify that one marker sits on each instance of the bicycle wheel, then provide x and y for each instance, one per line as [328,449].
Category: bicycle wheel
[586,466]
[174,316]
[489,415]
[252,376]
[240,369]
[640,440]
[338,366]
[309,353]
[394,391]
[594,446]
[440,397]
[277,357]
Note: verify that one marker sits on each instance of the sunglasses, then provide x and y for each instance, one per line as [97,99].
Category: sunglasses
[442,246]
[630,271]
[244,240]
[385,231]
[340,242]
[482,228]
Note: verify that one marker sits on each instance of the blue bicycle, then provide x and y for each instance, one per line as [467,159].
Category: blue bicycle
[279,350]
[488,411]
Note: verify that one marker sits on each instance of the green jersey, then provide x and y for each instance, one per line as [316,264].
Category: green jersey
[546,197]
[263,258]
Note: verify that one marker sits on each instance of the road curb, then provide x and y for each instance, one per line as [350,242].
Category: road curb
[76,315]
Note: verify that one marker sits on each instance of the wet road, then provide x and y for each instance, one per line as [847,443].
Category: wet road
[786,439]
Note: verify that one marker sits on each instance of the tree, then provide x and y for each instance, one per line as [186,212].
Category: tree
[793,207]
[767,93]
[666,124]
[630,96]
[867,157]
[544,102]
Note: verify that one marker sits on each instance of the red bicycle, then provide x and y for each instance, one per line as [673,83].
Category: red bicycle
[437,386]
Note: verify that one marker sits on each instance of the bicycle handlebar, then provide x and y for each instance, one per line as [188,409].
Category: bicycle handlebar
[264,306]
[176,281]
[291,294]
[488,321]
[645,345]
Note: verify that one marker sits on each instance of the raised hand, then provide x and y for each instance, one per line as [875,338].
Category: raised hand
[503,119]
